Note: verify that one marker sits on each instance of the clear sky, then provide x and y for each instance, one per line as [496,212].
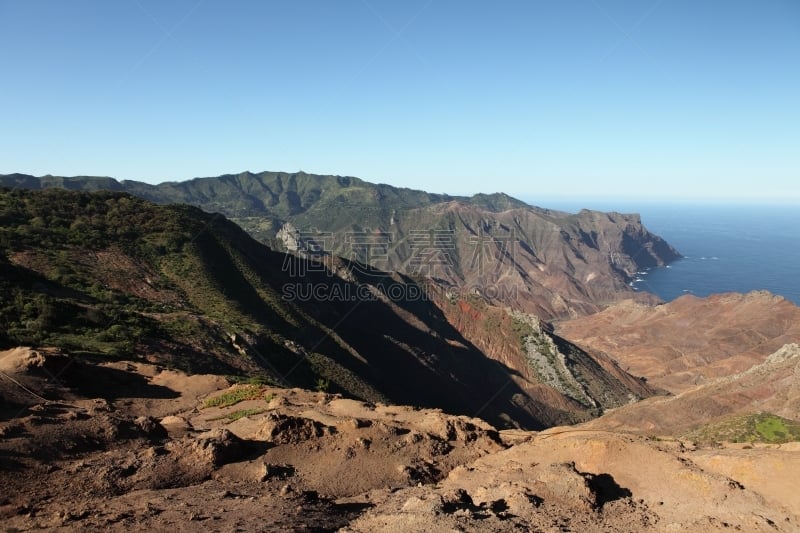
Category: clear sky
[689,99]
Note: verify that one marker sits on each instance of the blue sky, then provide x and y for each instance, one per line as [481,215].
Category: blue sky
[580,98]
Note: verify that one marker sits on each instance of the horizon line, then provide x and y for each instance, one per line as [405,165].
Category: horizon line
[526,197]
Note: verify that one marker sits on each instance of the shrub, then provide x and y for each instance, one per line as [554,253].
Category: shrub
[232,397]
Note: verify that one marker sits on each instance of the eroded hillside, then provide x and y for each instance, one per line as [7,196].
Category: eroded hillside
[691,340]
[107,275]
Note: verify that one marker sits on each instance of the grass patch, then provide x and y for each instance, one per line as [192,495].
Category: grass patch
[239,394]
[776,429]
[759,427]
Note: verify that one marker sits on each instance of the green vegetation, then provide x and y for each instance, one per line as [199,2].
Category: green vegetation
[110,275]
[777,429]
[269,194]
[547,362]
[758,427]
[261,202]
[322,385]
[70,250]
[522,329]
[239,394]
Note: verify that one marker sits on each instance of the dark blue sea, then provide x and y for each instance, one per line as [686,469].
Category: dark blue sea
[727,248]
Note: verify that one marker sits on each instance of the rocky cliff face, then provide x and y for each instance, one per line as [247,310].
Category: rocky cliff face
[543,262]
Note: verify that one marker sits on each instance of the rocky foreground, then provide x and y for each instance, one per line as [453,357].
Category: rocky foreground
[116,446]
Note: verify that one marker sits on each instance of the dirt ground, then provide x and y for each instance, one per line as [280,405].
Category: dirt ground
[126,446]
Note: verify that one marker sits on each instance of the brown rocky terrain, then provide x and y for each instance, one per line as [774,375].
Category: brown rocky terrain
[772,386]
[690,340]
[127,445]
[548,263]
[522,342]
[722,358]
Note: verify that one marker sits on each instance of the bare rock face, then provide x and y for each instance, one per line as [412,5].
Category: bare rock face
[788,352]
[568,383]
[725,355]
[289,238]
[176,425]
[567,480]
[234,306]
[211,449]
[20,360]
[150,427]
[285,429]
[549,263]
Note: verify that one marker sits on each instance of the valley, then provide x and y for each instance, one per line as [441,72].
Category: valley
[346,355]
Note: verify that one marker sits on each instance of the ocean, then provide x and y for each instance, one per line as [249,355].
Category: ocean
[726,248]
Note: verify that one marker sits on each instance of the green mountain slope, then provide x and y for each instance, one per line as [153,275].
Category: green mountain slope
[108,275]
[545,262]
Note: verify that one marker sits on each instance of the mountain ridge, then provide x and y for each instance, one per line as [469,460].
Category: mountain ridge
[546,262]
[244,182]
[107,274]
